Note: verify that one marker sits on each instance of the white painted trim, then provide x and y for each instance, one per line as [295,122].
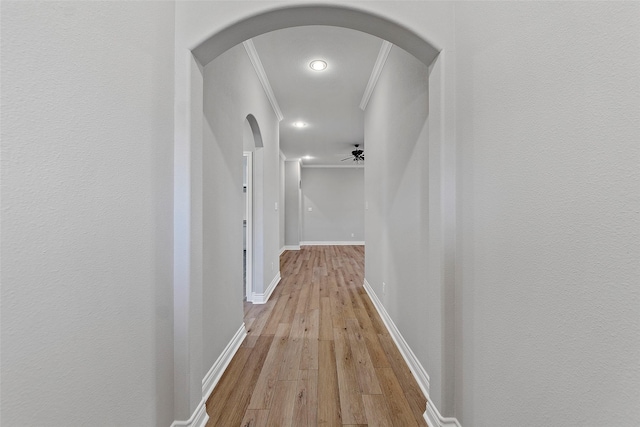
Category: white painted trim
[282,156]
[333,166]
[434,419]
[262,298]
[215,373]
[262,76]
[282,249]
[432,415]
[199,417]
[292,248]
[415,366]
[332,243]
[375,73]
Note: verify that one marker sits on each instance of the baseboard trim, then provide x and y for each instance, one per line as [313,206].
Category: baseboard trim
[199,417]
[262,298]
[291,248]
[434,419]
[432,415]
[332,243]
[282,249]
[215,373]
[415,366]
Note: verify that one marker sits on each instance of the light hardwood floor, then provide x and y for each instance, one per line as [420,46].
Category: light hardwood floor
[317,353]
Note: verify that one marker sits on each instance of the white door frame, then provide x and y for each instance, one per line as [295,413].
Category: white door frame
[249,216]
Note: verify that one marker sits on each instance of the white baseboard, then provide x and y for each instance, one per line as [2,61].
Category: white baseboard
[199,417]
[215,373]
[291,248]
[434,419]
[282,249]
[415,366]
[262,298]
[432,415]
[332,243]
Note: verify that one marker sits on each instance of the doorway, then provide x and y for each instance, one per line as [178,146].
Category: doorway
[190,90]
[247,224]
[251,144]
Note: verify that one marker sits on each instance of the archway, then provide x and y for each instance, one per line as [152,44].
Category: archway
[188,168]
[295,16]
[254,137]
[251,141]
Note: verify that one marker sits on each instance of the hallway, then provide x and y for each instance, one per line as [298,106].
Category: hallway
[317,353]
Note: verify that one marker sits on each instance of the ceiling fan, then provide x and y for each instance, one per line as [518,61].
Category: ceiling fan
[357,155]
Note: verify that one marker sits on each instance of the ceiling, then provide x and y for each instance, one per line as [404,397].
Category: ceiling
[327,101]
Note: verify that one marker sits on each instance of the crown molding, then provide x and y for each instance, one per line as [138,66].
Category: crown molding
[375,73]
[262,76]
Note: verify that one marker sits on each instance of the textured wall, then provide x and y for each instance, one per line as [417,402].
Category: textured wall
[548,132]
[401,187]
[547,126]
[87,145]
[231,92]
[336,197]
[281,206]
[292,203]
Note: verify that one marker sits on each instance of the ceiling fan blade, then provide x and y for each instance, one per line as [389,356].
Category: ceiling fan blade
[357,155]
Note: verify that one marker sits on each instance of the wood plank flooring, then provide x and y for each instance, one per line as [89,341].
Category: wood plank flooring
[317,353]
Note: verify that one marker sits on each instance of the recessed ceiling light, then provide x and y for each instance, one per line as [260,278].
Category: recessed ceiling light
[299,124]
[307,157]
[318,65]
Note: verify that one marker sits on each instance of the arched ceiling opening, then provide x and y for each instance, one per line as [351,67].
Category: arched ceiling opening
[331,15]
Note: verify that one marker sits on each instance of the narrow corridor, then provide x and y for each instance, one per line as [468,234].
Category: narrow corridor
[317,353]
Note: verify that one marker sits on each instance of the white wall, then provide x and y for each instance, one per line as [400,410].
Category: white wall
[403,227]
[281,204]
[292,203]
[548,124]
[231,92]
[336,197]
[87,160]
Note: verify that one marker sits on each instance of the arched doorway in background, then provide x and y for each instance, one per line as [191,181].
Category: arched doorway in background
[251,141]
